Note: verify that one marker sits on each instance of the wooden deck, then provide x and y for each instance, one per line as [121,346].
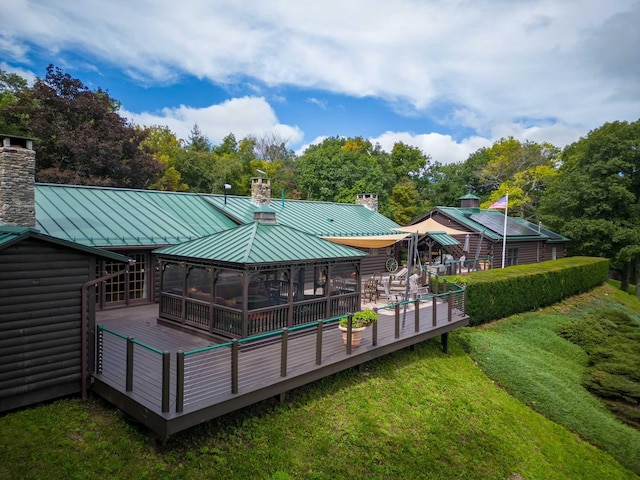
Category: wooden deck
[170,380]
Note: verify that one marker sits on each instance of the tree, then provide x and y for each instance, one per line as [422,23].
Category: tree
[198,142]
[80,137]
[509,156]
[163,145]
[595,198]
[11,86]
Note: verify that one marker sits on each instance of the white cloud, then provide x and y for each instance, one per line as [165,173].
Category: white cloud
[240,116]
[28,75]
[441,148]
[320,103]
[531,68]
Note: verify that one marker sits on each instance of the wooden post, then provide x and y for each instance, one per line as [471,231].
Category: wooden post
[434,311]
[444,338]
[349,332]
[234,366]
[374,333]
[319,344]
[397,321]
[129,374]
[166,380]
[417,315]
[179,381]
[283,353]
[450,305]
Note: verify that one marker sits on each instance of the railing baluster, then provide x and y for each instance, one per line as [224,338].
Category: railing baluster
[179,381]
[283,354]
[129,374]
[417,315]
[397,321]
[434,311]
[166,380]
[319,344]
[234,366]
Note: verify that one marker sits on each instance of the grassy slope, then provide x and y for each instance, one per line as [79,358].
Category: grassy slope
[525,355]
[415,414]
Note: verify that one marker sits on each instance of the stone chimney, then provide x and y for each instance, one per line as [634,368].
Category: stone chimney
[469,201]
[369,200]
[17,177]
[260,191]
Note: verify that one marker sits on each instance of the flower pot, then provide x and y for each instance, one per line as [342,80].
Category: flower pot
[356,335]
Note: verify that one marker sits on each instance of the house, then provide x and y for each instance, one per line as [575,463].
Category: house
[230,266]
[469,233]
[137,222]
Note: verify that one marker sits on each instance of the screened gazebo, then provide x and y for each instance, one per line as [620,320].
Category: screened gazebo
[257,278]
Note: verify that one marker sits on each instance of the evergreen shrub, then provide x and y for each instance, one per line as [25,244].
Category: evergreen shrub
[498,293]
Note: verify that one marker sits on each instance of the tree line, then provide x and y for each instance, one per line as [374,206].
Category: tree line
[589,191]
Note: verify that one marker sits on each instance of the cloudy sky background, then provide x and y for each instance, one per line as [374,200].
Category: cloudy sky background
[446,76]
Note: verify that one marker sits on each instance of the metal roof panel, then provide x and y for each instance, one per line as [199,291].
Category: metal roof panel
[258,243]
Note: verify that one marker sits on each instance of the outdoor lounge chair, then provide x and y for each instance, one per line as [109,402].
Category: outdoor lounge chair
[415,288]
[399,278]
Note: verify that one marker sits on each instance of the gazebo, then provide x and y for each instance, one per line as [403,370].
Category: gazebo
[257,278]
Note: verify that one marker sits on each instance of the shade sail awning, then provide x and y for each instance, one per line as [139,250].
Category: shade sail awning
[369,241]
[430,225]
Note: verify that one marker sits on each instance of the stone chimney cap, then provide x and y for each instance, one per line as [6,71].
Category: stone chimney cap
[16,141]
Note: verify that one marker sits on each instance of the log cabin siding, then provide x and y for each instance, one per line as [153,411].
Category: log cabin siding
[40,321]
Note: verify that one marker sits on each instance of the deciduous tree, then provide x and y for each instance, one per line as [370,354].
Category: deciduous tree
[595,199]
[80,137]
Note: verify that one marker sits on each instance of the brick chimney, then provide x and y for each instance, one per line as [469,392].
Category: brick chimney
[17,177]
[260,191]
[369,200]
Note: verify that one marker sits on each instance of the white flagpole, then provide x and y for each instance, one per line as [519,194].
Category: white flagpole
[504,231]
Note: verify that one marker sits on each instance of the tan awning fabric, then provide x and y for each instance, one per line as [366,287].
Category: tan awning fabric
[372,241]
[430,225]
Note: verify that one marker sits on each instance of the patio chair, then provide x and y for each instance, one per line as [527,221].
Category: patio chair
[415,288]
[370,290]
[399,278]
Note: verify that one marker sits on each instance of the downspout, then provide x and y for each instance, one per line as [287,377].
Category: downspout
[85,326]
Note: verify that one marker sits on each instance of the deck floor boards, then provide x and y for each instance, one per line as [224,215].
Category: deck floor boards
[208,379]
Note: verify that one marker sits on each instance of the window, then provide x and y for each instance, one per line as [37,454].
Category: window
[138,277]
[512,257]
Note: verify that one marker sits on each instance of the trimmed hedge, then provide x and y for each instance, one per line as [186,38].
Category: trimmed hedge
[498,293]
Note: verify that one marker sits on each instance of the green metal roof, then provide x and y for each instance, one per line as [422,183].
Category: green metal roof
[443,238]
[12,235]
[115,217]
[256,243]
[327,219]
[468,196]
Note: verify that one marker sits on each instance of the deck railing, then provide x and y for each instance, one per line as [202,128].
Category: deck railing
[186,383]
[227,321]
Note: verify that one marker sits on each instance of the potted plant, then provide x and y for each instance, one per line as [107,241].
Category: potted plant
[360,320]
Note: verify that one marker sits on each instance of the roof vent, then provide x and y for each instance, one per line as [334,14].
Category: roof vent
[469,201]
[265,215]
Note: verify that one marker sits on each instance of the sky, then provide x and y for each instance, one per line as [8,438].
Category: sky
[446,76]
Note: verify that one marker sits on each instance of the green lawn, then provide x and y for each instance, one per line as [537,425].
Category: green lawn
[526,356]
[414,414]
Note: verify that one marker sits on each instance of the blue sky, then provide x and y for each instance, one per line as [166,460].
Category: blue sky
[447,76]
